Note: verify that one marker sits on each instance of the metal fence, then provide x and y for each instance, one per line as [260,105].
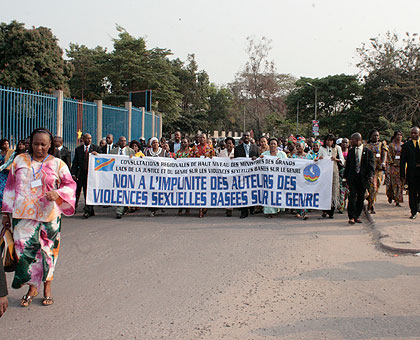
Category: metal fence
[78,117]
[115,121]
[136,123]
[23,111]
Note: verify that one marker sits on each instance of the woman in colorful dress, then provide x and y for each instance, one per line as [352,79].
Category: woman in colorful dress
[269,212]
[6,158]
[135,145]
[155,151]
[202,149]
[330,149]
[39,189]
[313,154]
[394,190]
[380,151]
[184,152]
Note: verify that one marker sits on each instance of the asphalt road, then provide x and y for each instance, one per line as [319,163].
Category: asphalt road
[173,277]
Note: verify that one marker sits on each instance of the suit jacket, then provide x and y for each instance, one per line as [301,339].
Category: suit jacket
[3,283]
[410,158]
[130,151]
[171,146]
[240,151]
[367,167]
[65,155]
[104,149]
[79,167]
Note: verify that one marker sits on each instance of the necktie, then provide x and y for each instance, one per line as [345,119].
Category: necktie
[86,156]
[121,151]
[246,150]
[109,148]
[357,159]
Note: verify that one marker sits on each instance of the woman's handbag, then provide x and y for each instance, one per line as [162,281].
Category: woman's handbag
[7,250]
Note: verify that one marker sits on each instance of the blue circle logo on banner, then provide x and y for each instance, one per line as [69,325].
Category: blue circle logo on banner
[311,173]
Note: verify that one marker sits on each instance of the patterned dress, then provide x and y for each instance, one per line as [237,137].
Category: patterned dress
[5,162]
[344,188]
[36,222]
[182,154]
[394,190]
[202,150]
[377,149]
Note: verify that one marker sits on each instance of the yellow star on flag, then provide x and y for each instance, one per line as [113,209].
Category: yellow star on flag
[79,134]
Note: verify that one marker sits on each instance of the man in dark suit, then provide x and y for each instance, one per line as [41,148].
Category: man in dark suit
[63,153]
[359,172]
[175,145]
[109,144]
[247,150]
[3,290]
[79,170]
[410,170]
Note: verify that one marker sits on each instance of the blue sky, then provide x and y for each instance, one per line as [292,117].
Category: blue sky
[309,38]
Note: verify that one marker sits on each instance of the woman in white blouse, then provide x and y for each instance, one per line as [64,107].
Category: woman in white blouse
[330,149]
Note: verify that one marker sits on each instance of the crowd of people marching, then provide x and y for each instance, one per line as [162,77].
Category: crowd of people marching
[39,182]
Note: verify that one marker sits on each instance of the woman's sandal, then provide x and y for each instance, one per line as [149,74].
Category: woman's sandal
[47,301]
[27,300]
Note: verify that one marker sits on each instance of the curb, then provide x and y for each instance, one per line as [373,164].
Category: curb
[378,236]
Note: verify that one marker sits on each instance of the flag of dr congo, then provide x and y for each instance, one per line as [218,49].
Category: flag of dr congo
[104,164]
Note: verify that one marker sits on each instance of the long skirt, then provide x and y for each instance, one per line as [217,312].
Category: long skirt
[394,190]
[37,245]
[3,179]
[373,188]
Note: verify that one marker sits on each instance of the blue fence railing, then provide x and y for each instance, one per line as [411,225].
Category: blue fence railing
[136,123]
[148,123]
[115,121]
[23,111]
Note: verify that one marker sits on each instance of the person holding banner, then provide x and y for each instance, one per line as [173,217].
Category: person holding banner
[203,149]
[122,149]
[3,291]
[184,152]
[330,149]
[274,151]
[246,150]
[155,151]
[39,189]
[228,152]
[359,172]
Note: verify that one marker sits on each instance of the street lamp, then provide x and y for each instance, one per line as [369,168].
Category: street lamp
[316,96]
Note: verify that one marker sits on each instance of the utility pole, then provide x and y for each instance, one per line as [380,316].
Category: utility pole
[297,117]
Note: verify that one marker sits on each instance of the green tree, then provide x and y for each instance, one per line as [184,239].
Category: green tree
[31,59]
[220,114]
[89,77]
[338,99]
[133,67]
[193,87]
[390,67]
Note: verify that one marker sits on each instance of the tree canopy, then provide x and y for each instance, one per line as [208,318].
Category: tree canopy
[31,59]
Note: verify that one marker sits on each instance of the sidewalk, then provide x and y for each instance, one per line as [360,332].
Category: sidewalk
[392,227]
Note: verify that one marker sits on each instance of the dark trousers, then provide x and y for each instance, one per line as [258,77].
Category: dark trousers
[356,198]
[82,184]
[414,194]
[244,211]
[329,212]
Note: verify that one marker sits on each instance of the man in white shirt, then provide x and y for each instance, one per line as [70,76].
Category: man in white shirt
[176,144]
[109,144]
[122,150]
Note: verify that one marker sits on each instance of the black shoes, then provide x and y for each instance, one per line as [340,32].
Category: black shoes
[413,217]
[118,216]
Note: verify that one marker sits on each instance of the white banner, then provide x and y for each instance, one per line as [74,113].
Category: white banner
[209,183]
